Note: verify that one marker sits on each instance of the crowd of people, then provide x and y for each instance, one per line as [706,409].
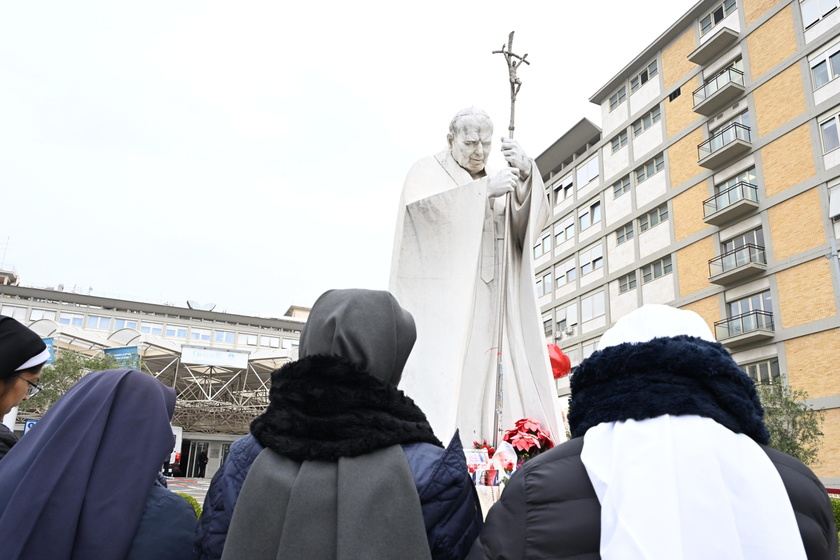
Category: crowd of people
[668,459]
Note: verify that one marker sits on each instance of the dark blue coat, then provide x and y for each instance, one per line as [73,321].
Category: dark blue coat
[450,504]
[166,528]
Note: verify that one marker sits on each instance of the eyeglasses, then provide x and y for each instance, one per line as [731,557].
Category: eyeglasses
[34,388]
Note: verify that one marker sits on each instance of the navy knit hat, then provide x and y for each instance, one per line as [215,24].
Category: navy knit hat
[20,348]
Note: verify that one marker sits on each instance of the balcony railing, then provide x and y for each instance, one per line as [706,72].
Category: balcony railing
[718,81]
[739,199]
[719,91]
[731,141]
[756,322]
[747,254]
[736,193]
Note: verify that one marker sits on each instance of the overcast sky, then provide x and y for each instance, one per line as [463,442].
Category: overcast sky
[251,154]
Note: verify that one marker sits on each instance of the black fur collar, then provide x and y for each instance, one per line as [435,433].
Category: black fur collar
[681,375]
[326,407]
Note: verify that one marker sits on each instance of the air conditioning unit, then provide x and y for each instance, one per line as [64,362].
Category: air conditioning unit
[569,331]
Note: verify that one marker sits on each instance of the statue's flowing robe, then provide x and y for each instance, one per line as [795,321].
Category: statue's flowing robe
[445,270]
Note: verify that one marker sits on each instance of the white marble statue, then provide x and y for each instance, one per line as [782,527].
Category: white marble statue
[446,270]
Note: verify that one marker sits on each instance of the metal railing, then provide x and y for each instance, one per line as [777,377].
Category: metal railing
[739,191]
[724,137]
[749,253]
[728,75]
[744,323]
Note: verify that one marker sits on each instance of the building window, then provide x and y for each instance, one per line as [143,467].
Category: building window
[589,348]
[757,302]
[200,334]
[592,306]
[563,189]
[764,373]
[565,272]
[564,231]
[547,325]
[224,336]
[826,67]
[642,77]
[590,215]
[656,269]
[125,324]
[621,187]
[38,314]
[543,246]
[716,16]
[624,233]
[754,237]
[270,341]
[176,331]
[747,176]
[591,259]
[248,339]
[151,328]
[646,121]
[587,172]
[73,319]
[743,119]
[828,131]
[566,317]
[16,312]
[627,282]
[618,98]
[544,285]
[650,168]
[814,10]
[96,322]
[654,217]
[619,141]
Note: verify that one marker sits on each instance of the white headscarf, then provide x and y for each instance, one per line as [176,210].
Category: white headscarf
[684,487]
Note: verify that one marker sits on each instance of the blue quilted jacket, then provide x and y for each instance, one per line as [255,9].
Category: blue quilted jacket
[450,505]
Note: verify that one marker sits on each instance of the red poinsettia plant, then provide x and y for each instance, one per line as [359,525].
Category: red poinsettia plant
[484,445]
[528,439]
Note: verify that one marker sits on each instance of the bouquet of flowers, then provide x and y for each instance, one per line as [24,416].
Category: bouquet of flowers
[528,439]
[486,446]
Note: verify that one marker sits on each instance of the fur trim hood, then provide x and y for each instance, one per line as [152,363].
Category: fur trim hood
[679,375]
[327,407]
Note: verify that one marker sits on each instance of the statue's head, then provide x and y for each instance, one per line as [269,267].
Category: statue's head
[470,136]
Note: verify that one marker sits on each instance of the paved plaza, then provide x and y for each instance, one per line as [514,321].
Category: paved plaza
[195,487]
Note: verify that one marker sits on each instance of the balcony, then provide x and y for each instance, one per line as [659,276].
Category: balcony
[725,145]
[746,328]
[736,265]
[731,204]
[718,92]
[714,46]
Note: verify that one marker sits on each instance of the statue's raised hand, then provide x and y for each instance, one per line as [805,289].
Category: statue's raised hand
[502,182]
[516,157]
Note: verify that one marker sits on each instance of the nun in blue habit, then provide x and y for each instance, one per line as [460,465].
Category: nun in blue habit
[84,483]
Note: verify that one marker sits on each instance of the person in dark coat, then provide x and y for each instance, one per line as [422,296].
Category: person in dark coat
[22,355]
[61,495]
[342,464]
[202,463]
[669,459]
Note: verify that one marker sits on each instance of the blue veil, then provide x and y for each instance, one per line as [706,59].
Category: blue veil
[76,484]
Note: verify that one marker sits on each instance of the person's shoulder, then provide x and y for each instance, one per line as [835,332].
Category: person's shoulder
[428,163]
[166,529]
[793,471]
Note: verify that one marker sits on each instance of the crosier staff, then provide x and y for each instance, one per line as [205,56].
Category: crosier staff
[513,62]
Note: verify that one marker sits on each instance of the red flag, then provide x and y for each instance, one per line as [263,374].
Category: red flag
[561,365]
